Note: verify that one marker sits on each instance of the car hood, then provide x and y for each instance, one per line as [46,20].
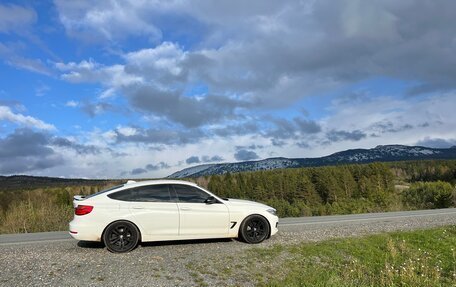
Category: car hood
[242,202]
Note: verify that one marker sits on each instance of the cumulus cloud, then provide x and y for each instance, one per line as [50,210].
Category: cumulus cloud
[289,48]
[7,114]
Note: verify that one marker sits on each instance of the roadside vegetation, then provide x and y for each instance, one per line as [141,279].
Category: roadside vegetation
[416,258]
[343,189]
[42,209]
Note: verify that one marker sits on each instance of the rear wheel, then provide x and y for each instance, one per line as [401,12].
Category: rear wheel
[121,236]
[254,229]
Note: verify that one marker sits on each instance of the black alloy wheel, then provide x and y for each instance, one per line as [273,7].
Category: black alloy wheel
[121,236]
[254,229]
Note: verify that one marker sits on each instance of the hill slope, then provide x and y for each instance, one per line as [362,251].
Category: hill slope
[382,153]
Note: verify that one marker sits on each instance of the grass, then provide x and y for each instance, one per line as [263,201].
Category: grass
[417,258]
[36,213]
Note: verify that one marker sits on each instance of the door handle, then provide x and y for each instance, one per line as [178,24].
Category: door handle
[137,207]
[185,208]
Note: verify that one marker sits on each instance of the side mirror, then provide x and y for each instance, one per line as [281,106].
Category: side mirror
[210,200]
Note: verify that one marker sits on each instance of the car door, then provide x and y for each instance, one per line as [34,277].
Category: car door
[152,207]
[197,218]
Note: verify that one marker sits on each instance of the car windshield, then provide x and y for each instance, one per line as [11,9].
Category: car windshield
[103,191]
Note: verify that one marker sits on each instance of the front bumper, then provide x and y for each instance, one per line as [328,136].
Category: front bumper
[274,226]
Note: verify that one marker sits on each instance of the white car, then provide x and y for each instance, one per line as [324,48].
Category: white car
[158,210]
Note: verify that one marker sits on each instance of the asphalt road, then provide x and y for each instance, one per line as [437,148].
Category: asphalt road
[285,224]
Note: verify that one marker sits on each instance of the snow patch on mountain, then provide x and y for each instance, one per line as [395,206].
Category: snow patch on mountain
[380,153]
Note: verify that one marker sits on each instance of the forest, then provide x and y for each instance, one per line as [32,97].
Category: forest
[341,189]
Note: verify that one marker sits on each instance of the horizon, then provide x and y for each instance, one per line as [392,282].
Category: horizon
[145,89]
[210,164]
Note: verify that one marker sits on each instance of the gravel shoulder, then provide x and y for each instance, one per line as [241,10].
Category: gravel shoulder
[177,263]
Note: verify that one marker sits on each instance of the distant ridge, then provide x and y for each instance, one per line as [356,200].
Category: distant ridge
[381,153]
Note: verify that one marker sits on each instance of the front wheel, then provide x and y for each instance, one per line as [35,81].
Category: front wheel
[254,229]
[121,236]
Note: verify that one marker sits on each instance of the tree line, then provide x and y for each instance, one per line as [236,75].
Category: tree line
[341,189]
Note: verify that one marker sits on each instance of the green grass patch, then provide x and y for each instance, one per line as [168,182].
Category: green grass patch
[418,258]
[414,258]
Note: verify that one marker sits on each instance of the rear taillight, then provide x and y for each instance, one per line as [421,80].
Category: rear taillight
[83,209]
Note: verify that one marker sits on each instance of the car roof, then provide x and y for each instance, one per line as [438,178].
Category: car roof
[132,183]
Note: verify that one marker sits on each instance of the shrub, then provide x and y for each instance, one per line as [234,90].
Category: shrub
[430,195]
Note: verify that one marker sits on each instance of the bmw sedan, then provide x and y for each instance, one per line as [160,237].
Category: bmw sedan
[158,210]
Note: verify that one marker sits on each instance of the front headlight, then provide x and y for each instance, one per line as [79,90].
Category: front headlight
[272,211]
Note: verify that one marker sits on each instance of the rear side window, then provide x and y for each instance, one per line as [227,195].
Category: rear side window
[103,191]
[190,194]
[149,193]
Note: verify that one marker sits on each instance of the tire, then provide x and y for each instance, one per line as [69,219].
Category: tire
[254,229]
[121,236]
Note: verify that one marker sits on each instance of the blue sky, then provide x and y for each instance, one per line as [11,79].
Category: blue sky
[129,89]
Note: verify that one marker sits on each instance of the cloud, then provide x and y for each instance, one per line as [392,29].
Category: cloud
[94,109]
[7,114]
[96,21]
[89,71]
[243,155]
[215,158]
[292,129]
[274,54]
[149,167]
[341,135]
[188,111]
[72,104]
[387,126]
[159,136]
[307,126]
[436,142]
[243,128]
[25,151]
[204,159]
[252,146]
[32,65]
[13,18]
[79,148]
[160,165]
[137,171]
[192,159]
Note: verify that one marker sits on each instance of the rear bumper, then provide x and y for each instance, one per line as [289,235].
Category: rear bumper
[83,232]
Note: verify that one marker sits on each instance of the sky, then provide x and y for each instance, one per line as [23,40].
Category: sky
[141,89]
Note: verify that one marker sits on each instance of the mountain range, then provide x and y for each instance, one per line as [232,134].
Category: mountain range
[381,153]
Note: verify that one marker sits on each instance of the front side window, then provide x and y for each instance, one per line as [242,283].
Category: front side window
[190,194]
[148,193]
